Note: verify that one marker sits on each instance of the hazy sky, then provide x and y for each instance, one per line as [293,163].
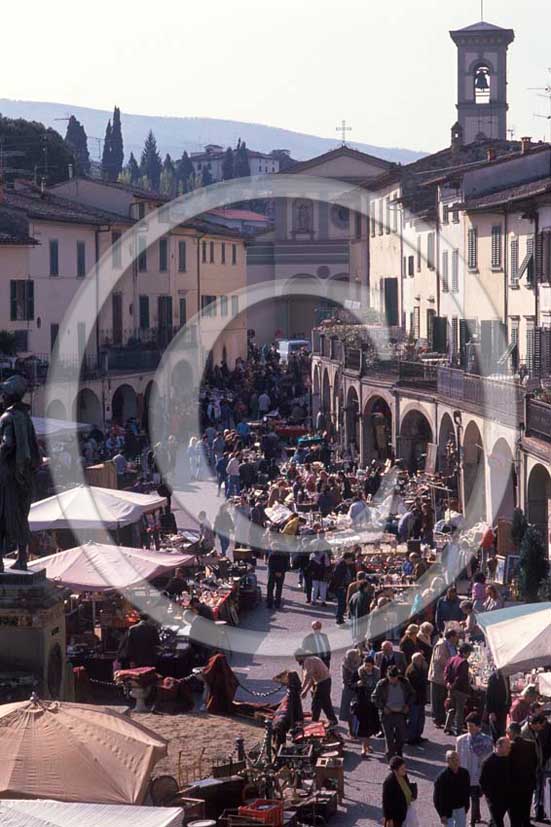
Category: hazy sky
[387,66]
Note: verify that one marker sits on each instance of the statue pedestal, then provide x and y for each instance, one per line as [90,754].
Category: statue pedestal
[32,629]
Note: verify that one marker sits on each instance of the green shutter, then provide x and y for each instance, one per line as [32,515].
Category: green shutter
[30,300]
[13,301]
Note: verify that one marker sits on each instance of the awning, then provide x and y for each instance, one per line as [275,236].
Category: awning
[45,813]
[519,637]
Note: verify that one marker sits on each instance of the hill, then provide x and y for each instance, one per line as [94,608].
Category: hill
[176,134]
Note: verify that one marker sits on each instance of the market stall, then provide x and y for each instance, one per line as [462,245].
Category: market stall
[46,813]
[518,637]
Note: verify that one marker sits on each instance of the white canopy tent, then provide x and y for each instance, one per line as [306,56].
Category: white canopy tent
[92,507]
[46,426]
[518,637]
[45,813]
[98,567]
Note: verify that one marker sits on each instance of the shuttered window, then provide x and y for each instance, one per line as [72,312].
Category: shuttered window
[445,272]
[373,218]
[514,261]
[472,249]
[411,265]
[416,323]
[419,254]
[530,346]
[387,215]
[455,335]
[54,257]
[22,300]
[430,251]
[380,216]
[163,255]
[455,271]
[496,247]
[181,256]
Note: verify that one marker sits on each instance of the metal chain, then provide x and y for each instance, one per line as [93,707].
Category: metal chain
[259,694]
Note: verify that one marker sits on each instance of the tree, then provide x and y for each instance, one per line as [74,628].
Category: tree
[228,165]
[106,162]
[533,565]
[41,152]
[151,164]
[242,168]
[206,177]
[168,177]
[77,141]
[117,146]
[133,170]
[184,173]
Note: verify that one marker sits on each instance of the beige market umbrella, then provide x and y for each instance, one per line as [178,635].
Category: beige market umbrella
[75,752]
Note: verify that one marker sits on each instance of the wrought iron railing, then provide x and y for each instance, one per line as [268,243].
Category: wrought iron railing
[496,398]
[538,419]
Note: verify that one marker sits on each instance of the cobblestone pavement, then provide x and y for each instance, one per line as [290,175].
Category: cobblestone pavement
[364,777]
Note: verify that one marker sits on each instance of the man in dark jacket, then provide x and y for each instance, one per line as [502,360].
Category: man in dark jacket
[451,795]
[388,656]
[416,673]
[524,766]
[142,645]
[317,643]
[394,695]
[458,682]
[498,703]
[278,566]
[448,608]
[344,574]
[495,781]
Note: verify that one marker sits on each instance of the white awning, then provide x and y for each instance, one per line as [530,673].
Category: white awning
[45,813]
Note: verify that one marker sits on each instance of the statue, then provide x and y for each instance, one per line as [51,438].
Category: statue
[19,459]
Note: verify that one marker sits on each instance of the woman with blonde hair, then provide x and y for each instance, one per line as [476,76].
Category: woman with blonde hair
[424,640]
[408,644]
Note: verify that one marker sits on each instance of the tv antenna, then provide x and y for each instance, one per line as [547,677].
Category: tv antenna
[544,92]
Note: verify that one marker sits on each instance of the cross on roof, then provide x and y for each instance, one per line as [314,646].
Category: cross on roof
[344,129]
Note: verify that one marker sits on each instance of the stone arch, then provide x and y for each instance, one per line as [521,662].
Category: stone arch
[325,400]
[56,410]
[352,420]
[377,430]
[539,494]
[415,435]
[447,452]
[150,401]
[87,408]
[337,401]
[124,404]
[474,474]
[502,480]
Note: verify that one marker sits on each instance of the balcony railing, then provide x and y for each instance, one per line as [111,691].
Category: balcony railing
[538,419]
[495,398]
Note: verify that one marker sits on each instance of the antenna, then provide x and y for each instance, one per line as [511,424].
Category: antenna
[481,11]
[544,92]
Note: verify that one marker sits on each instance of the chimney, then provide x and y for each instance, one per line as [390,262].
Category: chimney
[526,145]
[491,153]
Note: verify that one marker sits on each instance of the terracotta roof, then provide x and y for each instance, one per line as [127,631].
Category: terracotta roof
[48,206]
[506,196]
[14,228]
[138,192]
[338,152]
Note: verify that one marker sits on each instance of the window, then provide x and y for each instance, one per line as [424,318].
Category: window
[223,305]
[411,265]
[182,256]
[530,263]
[455,271]
[81,259]
[212,252]
[416,320]
[183,312]
[395,218]
[223,253]
[481,85]
[430,251]
[445,272]
[373,218]
[514,262]
[116,250]
[22,300]
[445,215]
[387,215]
[54,257]
[141,210]
[163,255]
[455,216]
[472,249]
[530,345]
[419,254]
[358,224]
[54,330]
[144,312]
[235,306]
[381,216]
[455,335]
[496,247]
[142,255]
[546,256]
[208,306]
[234,254]
[204,252]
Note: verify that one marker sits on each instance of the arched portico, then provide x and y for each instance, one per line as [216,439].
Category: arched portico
[377,430]
[474,475]
[88,408]
[502,480]
[539,493]
[124,404]
[415,435]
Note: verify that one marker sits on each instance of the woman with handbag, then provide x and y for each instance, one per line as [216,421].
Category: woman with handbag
[399,793]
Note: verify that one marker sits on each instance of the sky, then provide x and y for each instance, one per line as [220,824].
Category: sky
[387,66]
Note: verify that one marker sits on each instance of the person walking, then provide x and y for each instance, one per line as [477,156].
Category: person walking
[343,576]
[447,608]
[408,643]
[359,606]
[534,730]
[278,566]
[458,683]
[444,650]
[416,673]
[398,794]
[495,781]
[498,703]
[318,568]
[365,713]
[223,527]
[451,792]
[389,657]
[524,767]
[316,678]
[473,748]
[350,665]
[393,696]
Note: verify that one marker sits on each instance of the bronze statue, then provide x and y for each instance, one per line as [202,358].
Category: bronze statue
[19,459]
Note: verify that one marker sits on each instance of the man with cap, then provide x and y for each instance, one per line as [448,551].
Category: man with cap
[317,643]
[19,460]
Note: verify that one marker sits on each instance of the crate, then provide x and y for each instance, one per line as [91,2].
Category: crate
[331,770]
[264,811]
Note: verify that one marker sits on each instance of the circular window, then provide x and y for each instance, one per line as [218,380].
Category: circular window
[323,272]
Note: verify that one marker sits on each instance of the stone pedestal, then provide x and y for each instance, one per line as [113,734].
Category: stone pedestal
[32,630]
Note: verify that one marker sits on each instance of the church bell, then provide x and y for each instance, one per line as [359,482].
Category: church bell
[481,81]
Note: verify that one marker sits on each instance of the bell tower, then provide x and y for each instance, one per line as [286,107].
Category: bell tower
[482,80]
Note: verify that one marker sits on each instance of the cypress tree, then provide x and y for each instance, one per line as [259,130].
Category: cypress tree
[107,152]
[168,176]
[533,565]
[206,177]
[184,172]
[241,167]
[228,165]
[151,164]
[117,146]
[133,170]
[77,141]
